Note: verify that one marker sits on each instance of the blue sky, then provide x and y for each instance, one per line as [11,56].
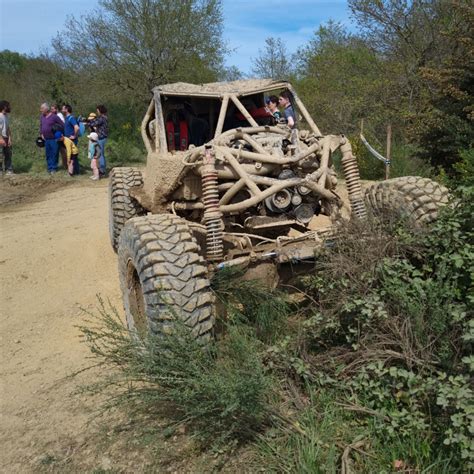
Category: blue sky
[27,26]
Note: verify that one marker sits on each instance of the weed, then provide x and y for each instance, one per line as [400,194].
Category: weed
[220,391]
[252,303]
[47,460]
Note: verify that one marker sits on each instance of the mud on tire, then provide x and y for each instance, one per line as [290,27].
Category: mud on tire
[122,206]
[416,199]
[163,277]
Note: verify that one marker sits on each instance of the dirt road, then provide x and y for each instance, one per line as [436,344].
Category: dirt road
[54,258]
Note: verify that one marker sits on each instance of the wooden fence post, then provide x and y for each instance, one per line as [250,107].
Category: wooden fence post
[389,151]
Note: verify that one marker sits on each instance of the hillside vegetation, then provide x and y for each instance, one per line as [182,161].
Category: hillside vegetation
[406,63]
[365,366]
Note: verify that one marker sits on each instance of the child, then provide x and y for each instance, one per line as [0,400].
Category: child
[94,154]
[72,152]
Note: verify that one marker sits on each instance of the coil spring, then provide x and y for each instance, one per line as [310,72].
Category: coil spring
[212,216]
[352,177]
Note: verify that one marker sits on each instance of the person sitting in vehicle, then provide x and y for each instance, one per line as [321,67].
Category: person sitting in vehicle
[289,112]
[272,105]
[198,127]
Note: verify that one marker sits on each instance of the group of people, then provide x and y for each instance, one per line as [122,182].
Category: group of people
[60,132]
[284,101]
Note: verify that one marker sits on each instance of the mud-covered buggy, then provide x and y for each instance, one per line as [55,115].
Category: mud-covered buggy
[226,184]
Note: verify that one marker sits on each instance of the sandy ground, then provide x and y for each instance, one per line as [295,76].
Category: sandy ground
[54,258]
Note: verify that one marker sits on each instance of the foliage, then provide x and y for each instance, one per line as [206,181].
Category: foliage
[465,168]
[251,302]
[391,337]
[133,46]
[316,449]
[341,80]
[404,161]
[274,61]
[220,392]
[26,82]
[26,156]
[11,62]
[430,45]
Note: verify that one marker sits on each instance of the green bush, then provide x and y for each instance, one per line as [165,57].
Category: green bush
[403,161]
[393,333]
[251,303]
[373,367]
[221,391]
[124,152]
[26,156]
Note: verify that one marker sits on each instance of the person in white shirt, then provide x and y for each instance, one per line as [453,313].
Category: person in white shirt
[6,136]
[55,110]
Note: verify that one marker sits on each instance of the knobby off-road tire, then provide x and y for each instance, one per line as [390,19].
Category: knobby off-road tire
[163,277]
[413,198]
[122,206]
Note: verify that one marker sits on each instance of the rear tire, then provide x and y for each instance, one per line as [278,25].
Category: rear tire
[415,199]
[163,277]
[122,206]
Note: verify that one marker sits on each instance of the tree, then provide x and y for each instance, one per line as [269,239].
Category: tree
[273,61]
[231,73]
[430,41]
[134,45]
[11,62]
[342,80]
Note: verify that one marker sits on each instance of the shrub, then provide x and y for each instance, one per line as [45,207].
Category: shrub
[404,318]
[388,330]
[221,392]
[26,156]
[251,303]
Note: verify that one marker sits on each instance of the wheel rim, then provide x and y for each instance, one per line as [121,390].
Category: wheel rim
[136,300]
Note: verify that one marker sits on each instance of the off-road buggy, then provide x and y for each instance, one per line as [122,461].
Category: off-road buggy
[227,185]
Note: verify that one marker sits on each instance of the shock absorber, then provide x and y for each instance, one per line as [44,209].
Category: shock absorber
[212,216]
[352,177]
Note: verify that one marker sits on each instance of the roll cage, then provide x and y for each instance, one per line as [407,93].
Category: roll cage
[211,109]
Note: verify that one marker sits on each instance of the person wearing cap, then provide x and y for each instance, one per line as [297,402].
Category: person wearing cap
[92,116]
[94,154]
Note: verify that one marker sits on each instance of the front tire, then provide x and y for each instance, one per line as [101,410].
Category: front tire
[163,277]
